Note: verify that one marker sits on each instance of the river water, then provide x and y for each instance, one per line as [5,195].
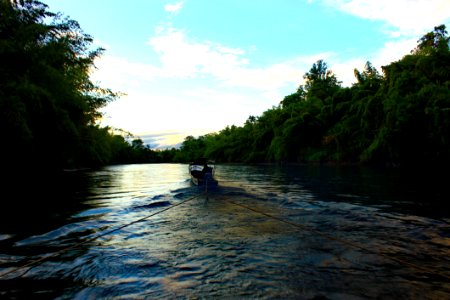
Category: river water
[265,232]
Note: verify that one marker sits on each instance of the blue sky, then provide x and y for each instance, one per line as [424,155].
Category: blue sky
[194,67]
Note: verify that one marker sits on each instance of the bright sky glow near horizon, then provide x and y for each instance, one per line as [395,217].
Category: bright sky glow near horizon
[193,67]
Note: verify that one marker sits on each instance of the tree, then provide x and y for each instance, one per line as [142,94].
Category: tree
[416,105]
[48,105]
[436,40]
[320,83]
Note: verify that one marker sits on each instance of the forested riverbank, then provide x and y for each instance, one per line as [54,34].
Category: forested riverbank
[399,117]
[50,108]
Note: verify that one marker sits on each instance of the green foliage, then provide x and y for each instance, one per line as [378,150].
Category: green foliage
[49,108]
[416,102]
[399,118]
[47,100]
[48,105]
[434,41]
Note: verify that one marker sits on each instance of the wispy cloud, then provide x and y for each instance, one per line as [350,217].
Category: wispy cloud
[184,57]
[213,77]
[174,8]
[120,71]
[405,16]
[389,52]
[215,84]
[394,50]
[163,140]
[405,21]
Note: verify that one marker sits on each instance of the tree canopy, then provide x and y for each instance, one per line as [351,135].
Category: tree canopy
[399,117]
[49,107]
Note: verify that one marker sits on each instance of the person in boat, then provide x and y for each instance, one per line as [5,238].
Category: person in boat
[206,168]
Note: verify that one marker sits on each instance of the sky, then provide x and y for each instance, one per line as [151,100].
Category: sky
[194,67]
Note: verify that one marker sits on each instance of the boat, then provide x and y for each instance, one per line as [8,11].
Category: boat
[202,172]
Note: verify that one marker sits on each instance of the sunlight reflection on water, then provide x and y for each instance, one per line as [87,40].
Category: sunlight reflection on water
[216,248]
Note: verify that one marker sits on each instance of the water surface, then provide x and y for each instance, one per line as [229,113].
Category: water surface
[268,232]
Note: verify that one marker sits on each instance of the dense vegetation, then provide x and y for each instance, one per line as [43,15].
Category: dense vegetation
[49,107]
[401,117]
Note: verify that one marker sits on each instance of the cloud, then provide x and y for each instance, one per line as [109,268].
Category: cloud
[163,140]
[173,8]
[202,86]
[119,71]
[405,21]
[183,57]
[234,88]
[408,17]
[391,51]
[394,50]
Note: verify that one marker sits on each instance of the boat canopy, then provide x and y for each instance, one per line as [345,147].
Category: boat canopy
[201,161]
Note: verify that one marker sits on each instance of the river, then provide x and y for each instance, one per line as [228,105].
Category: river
[265,232]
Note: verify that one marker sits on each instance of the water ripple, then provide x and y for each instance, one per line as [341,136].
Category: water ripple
[311,233]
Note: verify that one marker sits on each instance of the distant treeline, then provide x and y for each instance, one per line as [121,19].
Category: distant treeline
[49,108]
